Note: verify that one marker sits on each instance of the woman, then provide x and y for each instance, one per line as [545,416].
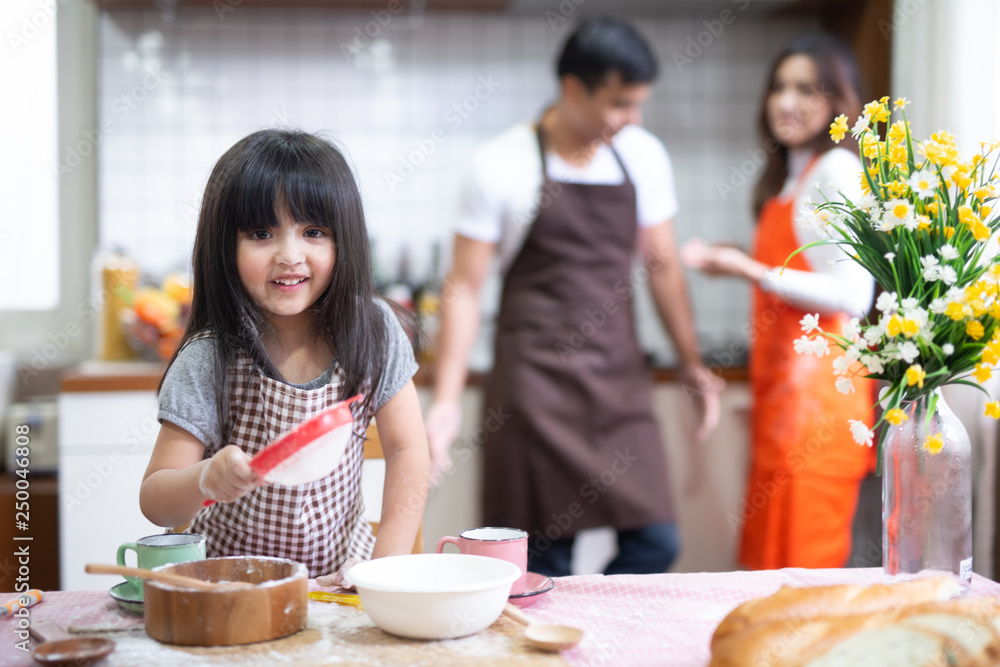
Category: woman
[805,467]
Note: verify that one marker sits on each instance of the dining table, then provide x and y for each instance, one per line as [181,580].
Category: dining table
[651,619]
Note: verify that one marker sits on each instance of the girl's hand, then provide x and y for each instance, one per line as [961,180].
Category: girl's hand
[443,421]
[227,476]
[337,578]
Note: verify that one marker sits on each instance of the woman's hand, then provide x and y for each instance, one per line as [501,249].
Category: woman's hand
[721,261]
[227,476]
[443,422]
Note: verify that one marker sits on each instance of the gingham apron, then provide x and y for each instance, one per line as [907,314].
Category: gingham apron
[319,524]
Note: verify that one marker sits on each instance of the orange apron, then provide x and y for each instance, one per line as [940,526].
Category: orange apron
[805,466]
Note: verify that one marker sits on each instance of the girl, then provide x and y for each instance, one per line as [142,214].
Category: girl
[283,324]
[805,467]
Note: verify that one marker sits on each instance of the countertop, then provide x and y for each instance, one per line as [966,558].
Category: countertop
[145,376]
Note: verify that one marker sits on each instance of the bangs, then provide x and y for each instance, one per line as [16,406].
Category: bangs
[290,175]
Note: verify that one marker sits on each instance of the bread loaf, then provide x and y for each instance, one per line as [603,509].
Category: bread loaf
[842,600]
[892,625]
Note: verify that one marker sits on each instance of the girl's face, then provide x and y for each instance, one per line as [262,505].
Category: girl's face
[285,269]
[797,109]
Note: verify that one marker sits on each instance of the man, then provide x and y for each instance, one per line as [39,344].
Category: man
[564,203]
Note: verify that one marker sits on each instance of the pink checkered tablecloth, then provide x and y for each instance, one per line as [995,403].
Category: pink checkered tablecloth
[632,620]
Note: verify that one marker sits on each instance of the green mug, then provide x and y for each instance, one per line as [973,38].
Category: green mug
[155,550]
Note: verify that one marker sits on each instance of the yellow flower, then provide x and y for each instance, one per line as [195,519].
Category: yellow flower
[980,231]
[910,327]
[966,215]
[991,353]
[870,149]
[901,102]
[975,329]
[984,212]
[923,223]
[993,409]
[897,133]
[982,373]
[877,111]
[915,376]
[949,232]
[838,128]
[865,188]
[895,416]
[898,156]
[934,444]
[960,177]
[955,310]
[897,188]
[895,326]
[932,208]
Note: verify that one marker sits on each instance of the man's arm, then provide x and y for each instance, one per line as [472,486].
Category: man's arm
[459,325]
[658,248]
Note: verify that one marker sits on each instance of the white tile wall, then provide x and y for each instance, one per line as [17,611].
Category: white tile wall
[219,79]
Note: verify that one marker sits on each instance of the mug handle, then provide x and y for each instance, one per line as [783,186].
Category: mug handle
[447,539]
[135,581]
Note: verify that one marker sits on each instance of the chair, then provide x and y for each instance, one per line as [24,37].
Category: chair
[373,477]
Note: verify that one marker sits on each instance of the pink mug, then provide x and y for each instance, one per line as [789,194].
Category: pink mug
[509,544]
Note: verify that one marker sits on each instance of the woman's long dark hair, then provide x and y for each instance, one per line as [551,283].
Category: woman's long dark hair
[310,178]
[839,81]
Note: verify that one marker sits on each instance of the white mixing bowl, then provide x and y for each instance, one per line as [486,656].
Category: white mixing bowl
[433,596]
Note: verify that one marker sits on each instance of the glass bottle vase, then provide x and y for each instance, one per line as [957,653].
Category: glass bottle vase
[927,493]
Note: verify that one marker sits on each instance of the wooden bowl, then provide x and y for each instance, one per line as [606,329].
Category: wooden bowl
[275,607]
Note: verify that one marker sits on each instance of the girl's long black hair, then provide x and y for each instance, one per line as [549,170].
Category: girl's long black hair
[311,179]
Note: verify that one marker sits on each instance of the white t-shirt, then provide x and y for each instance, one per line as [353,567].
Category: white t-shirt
[836,283]
[503,189]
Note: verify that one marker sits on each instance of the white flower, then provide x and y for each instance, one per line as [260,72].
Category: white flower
[931,268]
[890,256]
[853,353]
[845,385]
[923,183]
[861,433]
[820,346]
[803,345]
[867,202]
[860,126]
[948,275]
[887,302]
[809,323]
[955,294]
[852,330]
[909,303]
[815,220]
[841,365]
[947,251]
[939,305]
[873,334]
[908,352]
[873,363]
[897,212]
[948,349]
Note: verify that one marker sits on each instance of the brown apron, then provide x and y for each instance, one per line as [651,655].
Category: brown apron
[573,443]
[320,524]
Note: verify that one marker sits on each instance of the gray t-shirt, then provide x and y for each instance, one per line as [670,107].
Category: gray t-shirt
[187,398]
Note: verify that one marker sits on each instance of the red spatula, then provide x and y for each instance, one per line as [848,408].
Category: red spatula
[308,452]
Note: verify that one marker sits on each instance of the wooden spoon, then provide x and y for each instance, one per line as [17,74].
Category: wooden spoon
[58,647]
[166,577]
[545,637]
